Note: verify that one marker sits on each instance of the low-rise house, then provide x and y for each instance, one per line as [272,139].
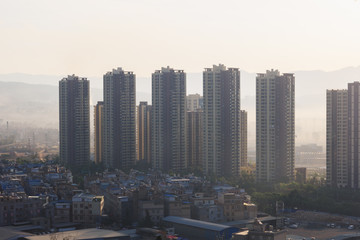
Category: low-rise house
[174,206]
[19,208]
[154,208]
[235,207]
[87,209]
[63,212]
[204,208]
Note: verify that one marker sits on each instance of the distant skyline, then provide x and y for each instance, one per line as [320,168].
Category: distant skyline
[88,37]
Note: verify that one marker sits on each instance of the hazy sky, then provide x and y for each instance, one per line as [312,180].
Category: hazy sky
[89,37]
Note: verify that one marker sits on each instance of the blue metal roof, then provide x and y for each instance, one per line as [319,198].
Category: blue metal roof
[197,223]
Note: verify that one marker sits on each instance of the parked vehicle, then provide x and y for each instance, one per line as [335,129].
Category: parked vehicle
[294,226]
[351,227]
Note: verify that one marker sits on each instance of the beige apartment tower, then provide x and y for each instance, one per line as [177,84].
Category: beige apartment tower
[243,139]
[337,138]
[168,151]
[194,102]
[144,132]
[221,129]
[74,121]
[119,136]
[275,126]
[98,131]
[342,137]
[353,135]
[194,136]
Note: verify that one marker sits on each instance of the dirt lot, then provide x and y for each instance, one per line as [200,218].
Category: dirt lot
[320,233]
[322,217]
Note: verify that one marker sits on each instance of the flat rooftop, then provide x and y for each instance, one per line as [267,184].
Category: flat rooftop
[83,234]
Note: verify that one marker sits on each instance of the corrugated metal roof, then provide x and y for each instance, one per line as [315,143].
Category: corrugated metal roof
[196,223]
[250,221]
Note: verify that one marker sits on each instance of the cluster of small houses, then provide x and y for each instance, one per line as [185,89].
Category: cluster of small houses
[44,198]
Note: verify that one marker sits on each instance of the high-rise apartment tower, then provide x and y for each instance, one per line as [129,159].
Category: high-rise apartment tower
[144,131]
[221,129]
[168,114]
[243,139]
[353,134]
[194,135]
[119,142]
[194,102]
[337,138]
[342,137]
[74,121]
[275,126]
[98,130]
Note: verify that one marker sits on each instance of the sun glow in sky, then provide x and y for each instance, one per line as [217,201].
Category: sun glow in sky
[89,37]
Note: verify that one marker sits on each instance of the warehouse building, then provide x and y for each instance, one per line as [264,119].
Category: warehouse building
[198,230]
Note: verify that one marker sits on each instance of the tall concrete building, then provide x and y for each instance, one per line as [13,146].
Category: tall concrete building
[74,121]
[337,138]
[144,132]
[353,134]
[194,136]
[194,102]
[221,130]
[275,126]
[243,139]
[342,137]
[168,119]
[119,145]
[98,130]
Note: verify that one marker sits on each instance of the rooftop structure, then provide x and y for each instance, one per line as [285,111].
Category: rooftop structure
[195,229]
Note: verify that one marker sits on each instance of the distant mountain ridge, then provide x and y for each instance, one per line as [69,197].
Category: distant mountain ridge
[34,98]
[38,104]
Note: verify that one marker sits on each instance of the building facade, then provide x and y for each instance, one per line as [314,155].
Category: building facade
[310,155]
[144,132]
[19,208]
[98,129]
[87,209]
[62,212]
[342,137]
[74,121]
[168,149]
[194,102]
[235,207]
[243,139]
[337,138]
[353,134]
[119,145]
[221,129]
[194,139]
[275,126]
[153,208]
